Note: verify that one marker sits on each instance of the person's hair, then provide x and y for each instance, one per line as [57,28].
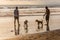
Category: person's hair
[16,7]
[46,7]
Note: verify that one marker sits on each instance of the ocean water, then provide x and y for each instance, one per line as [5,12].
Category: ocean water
[7,24]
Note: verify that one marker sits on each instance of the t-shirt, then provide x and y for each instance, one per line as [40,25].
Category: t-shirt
[16,13]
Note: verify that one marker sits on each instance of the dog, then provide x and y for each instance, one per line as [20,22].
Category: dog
[26,25]
[39,22]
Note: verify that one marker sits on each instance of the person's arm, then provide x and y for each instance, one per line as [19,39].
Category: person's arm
[14,12]
[18,13]
[44,15]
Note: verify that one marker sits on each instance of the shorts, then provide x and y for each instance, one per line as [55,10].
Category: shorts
[47,17]
[16,17]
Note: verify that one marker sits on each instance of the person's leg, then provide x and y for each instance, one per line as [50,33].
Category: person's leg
[42,24]
[18,21]
[15,26]
[47,25]
[14,21]
[18,26]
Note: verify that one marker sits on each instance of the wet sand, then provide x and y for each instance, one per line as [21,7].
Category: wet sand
[7,25]
[51,35]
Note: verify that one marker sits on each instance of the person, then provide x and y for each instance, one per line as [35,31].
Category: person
[47,14]
[16,17]
[26,25]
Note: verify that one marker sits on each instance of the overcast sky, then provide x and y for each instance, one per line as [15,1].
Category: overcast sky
[29,2]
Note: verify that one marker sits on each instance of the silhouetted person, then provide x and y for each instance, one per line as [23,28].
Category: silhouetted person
[47,13]
[26,25]
[39,22]
[16,17]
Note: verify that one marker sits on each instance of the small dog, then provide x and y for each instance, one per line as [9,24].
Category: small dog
[26,25]
[39,22]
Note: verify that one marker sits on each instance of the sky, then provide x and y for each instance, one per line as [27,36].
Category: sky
[29,2]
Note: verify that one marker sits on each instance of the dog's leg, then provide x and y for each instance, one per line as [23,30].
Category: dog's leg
[42,25]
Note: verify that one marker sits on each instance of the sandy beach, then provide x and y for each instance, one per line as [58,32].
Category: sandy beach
[7,23]
[32,11]
[51,35]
